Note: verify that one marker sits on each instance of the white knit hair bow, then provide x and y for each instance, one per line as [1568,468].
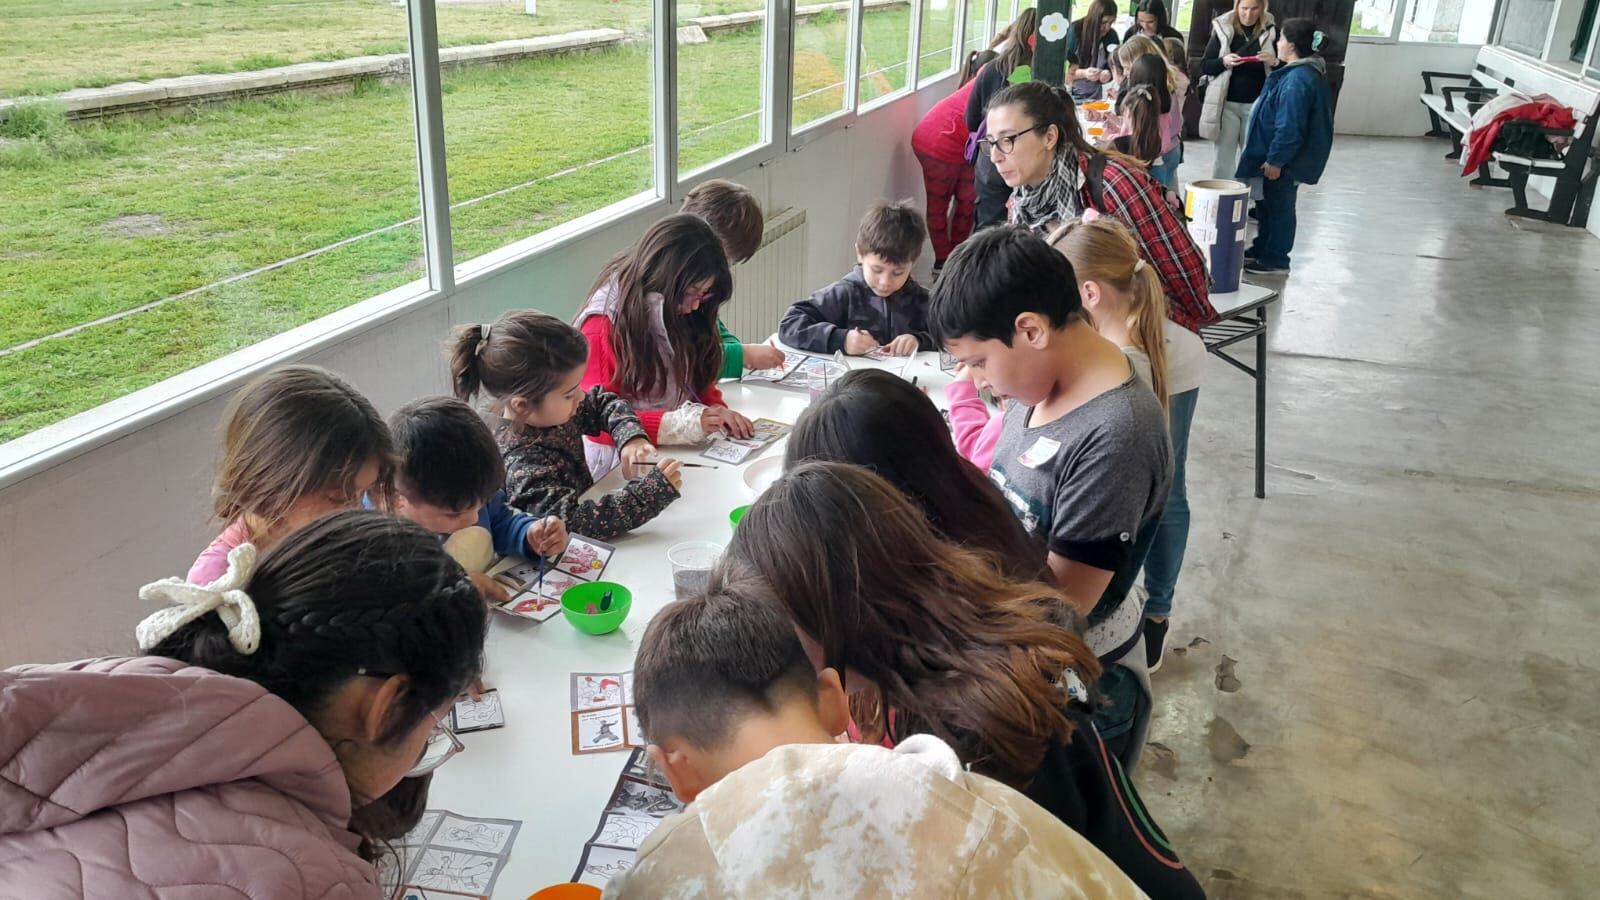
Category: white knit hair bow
[225,596]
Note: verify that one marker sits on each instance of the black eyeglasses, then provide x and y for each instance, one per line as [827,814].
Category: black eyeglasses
[1006,142]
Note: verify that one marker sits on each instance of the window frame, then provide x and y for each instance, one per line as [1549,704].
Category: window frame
[1396,27]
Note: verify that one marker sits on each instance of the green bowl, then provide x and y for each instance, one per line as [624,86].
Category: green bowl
[737,514]
[578,597]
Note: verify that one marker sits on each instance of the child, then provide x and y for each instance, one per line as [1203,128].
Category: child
[949,647]
[227,762]
[735,215]
[975,431]
[450,476]
[1178,58]
[1287,144]
[533,364]
[1083,456]
[1145,105]
[877,419]
[300,443]
[878,303]
[651,326]
[1122,293]
[743,728]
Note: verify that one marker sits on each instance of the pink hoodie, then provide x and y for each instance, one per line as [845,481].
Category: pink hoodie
[138,778]
[976,432]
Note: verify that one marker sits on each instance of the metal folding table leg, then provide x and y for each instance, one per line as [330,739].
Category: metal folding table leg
[1261,406]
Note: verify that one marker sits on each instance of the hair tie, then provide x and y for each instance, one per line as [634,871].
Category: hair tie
[1142,90]
[1138,265]
[483,337]
[1316,41]
[225,596]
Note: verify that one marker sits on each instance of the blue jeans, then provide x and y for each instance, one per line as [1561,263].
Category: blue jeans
[1275,236]
[1165,559]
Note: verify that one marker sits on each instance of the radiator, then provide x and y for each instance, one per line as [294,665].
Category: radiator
[765,284]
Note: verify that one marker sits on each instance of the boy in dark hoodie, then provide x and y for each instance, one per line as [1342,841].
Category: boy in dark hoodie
[878,304]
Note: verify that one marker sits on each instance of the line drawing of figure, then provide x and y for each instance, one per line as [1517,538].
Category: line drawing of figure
[622,831]
[453,871]
[607,870]
[477,834]
[605,735]
[486,711]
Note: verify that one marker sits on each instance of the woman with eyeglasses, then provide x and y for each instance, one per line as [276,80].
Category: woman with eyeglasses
[272,741]
[1038,148]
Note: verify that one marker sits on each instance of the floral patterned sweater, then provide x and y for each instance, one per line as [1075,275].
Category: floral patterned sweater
[547,473]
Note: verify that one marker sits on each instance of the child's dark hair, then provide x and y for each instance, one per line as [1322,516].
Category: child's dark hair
[295,431]
[674,255]
[1303,34]
[1144,100]
[447,456]
[354,592]
[996,276]
[876,419]
[893,231]
[706,662]
[1176,52]
[733,213]
[522,354]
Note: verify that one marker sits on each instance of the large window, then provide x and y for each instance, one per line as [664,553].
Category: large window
[1438,21]
[821,47]
[136,246]
[976,27]
[721,79]
[885,49]
[936,51]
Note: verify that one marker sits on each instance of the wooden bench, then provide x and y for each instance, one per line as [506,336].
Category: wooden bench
[1498,71]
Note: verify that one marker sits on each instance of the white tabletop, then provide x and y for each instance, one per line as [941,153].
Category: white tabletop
[527,770]
[1246,296]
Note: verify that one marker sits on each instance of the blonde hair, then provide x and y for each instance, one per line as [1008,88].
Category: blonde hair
[1105,251]
[1261,21]
[1138,46]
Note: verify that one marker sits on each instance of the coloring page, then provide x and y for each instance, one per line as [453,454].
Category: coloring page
[632,733]
[466,873]
[598,730]
[518,576]
[624,831]
[585,558]
[790,360]
[601,864]
[639,767]
[473,835]
[420,834]
[879,352]
[417,893]
[627,687]
[479,715]
[641,798]
[533,606]
[728,450]
[595,691]
[768,430]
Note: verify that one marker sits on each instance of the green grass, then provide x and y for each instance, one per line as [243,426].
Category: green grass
[99,218]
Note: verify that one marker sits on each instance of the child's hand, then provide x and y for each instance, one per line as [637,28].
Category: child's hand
[762,356]
[721,418]
[904,345]
[673,471]
[638,452]
[547,537]
[492,592]
[858,342]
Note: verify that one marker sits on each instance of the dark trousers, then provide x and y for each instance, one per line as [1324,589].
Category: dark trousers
[951,203]
[993,194]
[1275,236]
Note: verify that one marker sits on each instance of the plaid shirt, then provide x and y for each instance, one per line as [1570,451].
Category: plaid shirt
[1138,201]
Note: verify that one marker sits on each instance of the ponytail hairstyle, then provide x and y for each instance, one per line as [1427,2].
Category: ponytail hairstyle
[1305,37]
[356,592]
[1138,47]
[522,354]
[1144,100]
[1047,105]
[675,254]
[951,646]
[1089,28]
[876,419]
[1105,251]
[1019,52]
[293,432]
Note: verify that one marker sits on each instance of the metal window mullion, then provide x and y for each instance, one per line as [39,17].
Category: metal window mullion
[1399,20]
[852,56]
[664,95]
[433,181]
[778,72]
[915,50]
[991,25]
[958,38]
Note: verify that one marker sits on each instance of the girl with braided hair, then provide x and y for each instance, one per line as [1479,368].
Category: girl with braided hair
[278,734]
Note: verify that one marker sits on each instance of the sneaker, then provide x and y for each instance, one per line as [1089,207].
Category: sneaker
[1155,643]
[1257,267]
[1255,213]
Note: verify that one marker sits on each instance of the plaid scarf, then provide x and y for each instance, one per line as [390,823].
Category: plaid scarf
[1053,200]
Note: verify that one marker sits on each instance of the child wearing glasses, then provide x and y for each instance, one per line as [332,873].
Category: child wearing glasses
[651,324]
[878,304]
[270,739]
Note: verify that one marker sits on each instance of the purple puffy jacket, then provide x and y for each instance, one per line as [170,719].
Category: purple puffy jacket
[144,778]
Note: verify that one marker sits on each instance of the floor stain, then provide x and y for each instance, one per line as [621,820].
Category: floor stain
[1160,759]
[1224,741]
[1226,681]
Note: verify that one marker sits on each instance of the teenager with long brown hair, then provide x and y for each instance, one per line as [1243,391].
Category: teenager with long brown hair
[876,419]
[651,324]
[952,648]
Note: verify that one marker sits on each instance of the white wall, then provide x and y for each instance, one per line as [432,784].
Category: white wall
[1382,81]
[79,538]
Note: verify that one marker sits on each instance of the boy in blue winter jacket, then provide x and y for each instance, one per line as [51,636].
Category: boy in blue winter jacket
[450,476]
[1290,137]
[878,304]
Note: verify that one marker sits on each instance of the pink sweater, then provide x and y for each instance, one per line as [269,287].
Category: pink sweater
[213,561]
[146,778]
[976,432]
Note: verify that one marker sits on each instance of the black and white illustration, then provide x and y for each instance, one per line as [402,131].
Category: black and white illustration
[460,855]
[601,864]
[480,714]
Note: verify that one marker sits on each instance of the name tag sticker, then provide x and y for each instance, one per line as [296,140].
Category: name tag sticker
[1042,451]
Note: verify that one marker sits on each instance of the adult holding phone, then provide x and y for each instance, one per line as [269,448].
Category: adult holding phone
[1234,70]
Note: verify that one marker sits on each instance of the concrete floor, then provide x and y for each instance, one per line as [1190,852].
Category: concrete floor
[1394,668]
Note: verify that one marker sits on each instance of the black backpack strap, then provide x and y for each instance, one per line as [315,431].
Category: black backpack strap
[1096,181]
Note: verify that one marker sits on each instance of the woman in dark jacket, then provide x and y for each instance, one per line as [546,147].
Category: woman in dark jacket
[1016,50]
[1091,50]
[1291,134]
[1150,20]
[1235,66]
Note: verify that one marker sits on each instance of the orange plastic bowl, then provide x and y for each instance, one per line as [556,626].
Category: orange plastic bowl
[571,891]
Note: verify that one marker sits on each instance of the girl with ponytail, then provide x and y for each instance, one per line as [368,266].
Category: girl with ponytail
[532,365]
[1123,297]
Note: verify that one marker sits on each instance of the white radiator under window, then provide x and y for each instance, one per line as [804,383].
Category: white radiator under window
[766,284]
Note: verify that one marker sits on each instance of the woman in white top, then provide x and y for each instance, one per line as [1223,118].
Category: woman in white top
[1123,295]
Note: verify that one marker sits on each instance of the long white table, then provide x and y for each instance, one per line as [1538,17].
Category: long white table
[527,770]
